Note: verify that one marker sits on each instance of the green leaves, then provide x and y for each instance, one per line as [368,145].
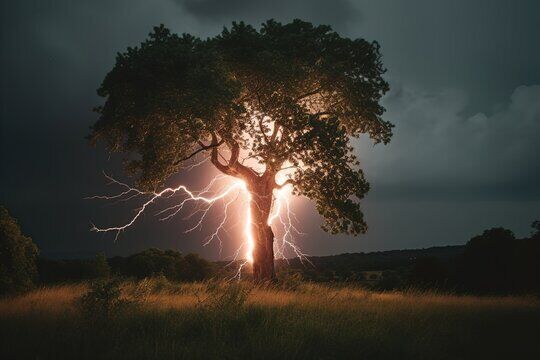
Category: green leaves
[287,95]
[161,98]
[327,173]
[18,254]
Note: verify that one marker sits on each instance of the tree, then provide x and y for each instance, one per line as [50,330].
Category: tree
[17,256]
[536,229]
[153,262]
[486,263]
[169,263]
[289,96]
[193,268]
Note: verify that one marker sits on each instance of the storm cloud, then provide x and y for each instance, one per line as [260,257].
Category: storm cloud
[339,13]
[438,152]
[465,95]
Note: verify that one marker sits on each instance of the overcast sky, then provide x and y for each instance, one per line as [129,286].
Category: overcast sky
[465,98]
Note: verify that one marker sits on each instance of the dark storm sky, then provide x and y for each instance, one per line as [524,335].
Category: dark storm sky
[465,98]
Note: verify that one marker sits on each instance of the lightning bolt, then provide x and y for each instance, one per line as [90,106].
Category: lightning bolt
[283,213]
[204,200]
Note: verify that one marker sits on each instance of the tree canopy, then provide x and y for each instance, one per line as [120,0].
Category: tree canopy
[17,256]
[285,96]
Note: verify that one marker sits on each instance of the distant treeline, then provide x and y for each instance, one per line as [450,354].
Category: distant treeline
[149,263]
[495,262]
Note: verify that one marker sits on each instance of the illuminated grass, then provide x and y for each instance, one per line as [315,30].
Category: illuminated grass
[311,322]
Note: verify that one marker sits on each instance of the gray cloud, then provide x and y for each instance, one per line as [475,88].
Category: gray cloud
[339,13]
[485,48]
[440,152]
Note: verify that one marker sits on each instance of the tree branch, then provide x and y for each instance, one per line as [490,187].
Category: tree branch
[242,170]
[260,120]
[202,148]
[214,156]
[261,127]
[285,183]
[233,168]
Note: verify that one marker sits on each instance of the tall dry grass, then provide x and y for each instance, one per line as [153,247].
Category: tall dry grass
[161,294]
[53,299]
[239,320]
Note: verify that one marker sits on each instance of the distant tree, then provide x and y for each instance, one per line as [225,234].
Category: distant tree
[527,261]
[536,228]
[288,95]
[169,263]
[193,268]
[17,256]
[487,261]
[152,262]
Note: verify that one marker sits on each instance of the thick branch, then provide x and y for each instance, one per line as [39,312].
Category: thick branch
[234,167]
[235,152]
[242,170]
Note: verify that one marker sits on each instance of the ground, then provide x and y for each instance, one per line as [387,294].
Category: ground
[160,320]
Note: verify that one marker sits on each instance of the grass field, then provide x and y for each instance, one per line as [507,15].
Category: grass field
[160,320]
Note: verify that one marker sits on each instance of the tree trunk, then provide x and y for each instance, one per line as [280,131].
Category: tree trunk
[263,236]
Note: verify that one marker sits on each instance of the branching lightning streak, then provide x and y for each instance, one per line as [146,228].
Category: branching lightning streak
[204,201]
[282,200]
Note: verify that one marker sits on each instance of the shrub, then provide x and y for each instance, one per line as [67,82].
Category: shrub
[290,281]
[103,300]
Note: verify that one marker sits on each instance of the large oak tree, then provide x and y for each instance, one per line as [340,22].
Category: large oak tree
[286,96]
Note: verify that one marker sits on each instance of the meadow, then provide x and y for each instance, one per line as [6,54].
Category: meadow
[157,319]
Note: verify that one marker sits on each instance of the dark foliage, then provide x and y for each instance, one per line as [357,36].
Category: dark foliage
[57,271]
[497,262]
[169,263]
[494,262]
[359,267]
[286,94]
[428,273]
[148,263]
[17,256]
[103,300]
